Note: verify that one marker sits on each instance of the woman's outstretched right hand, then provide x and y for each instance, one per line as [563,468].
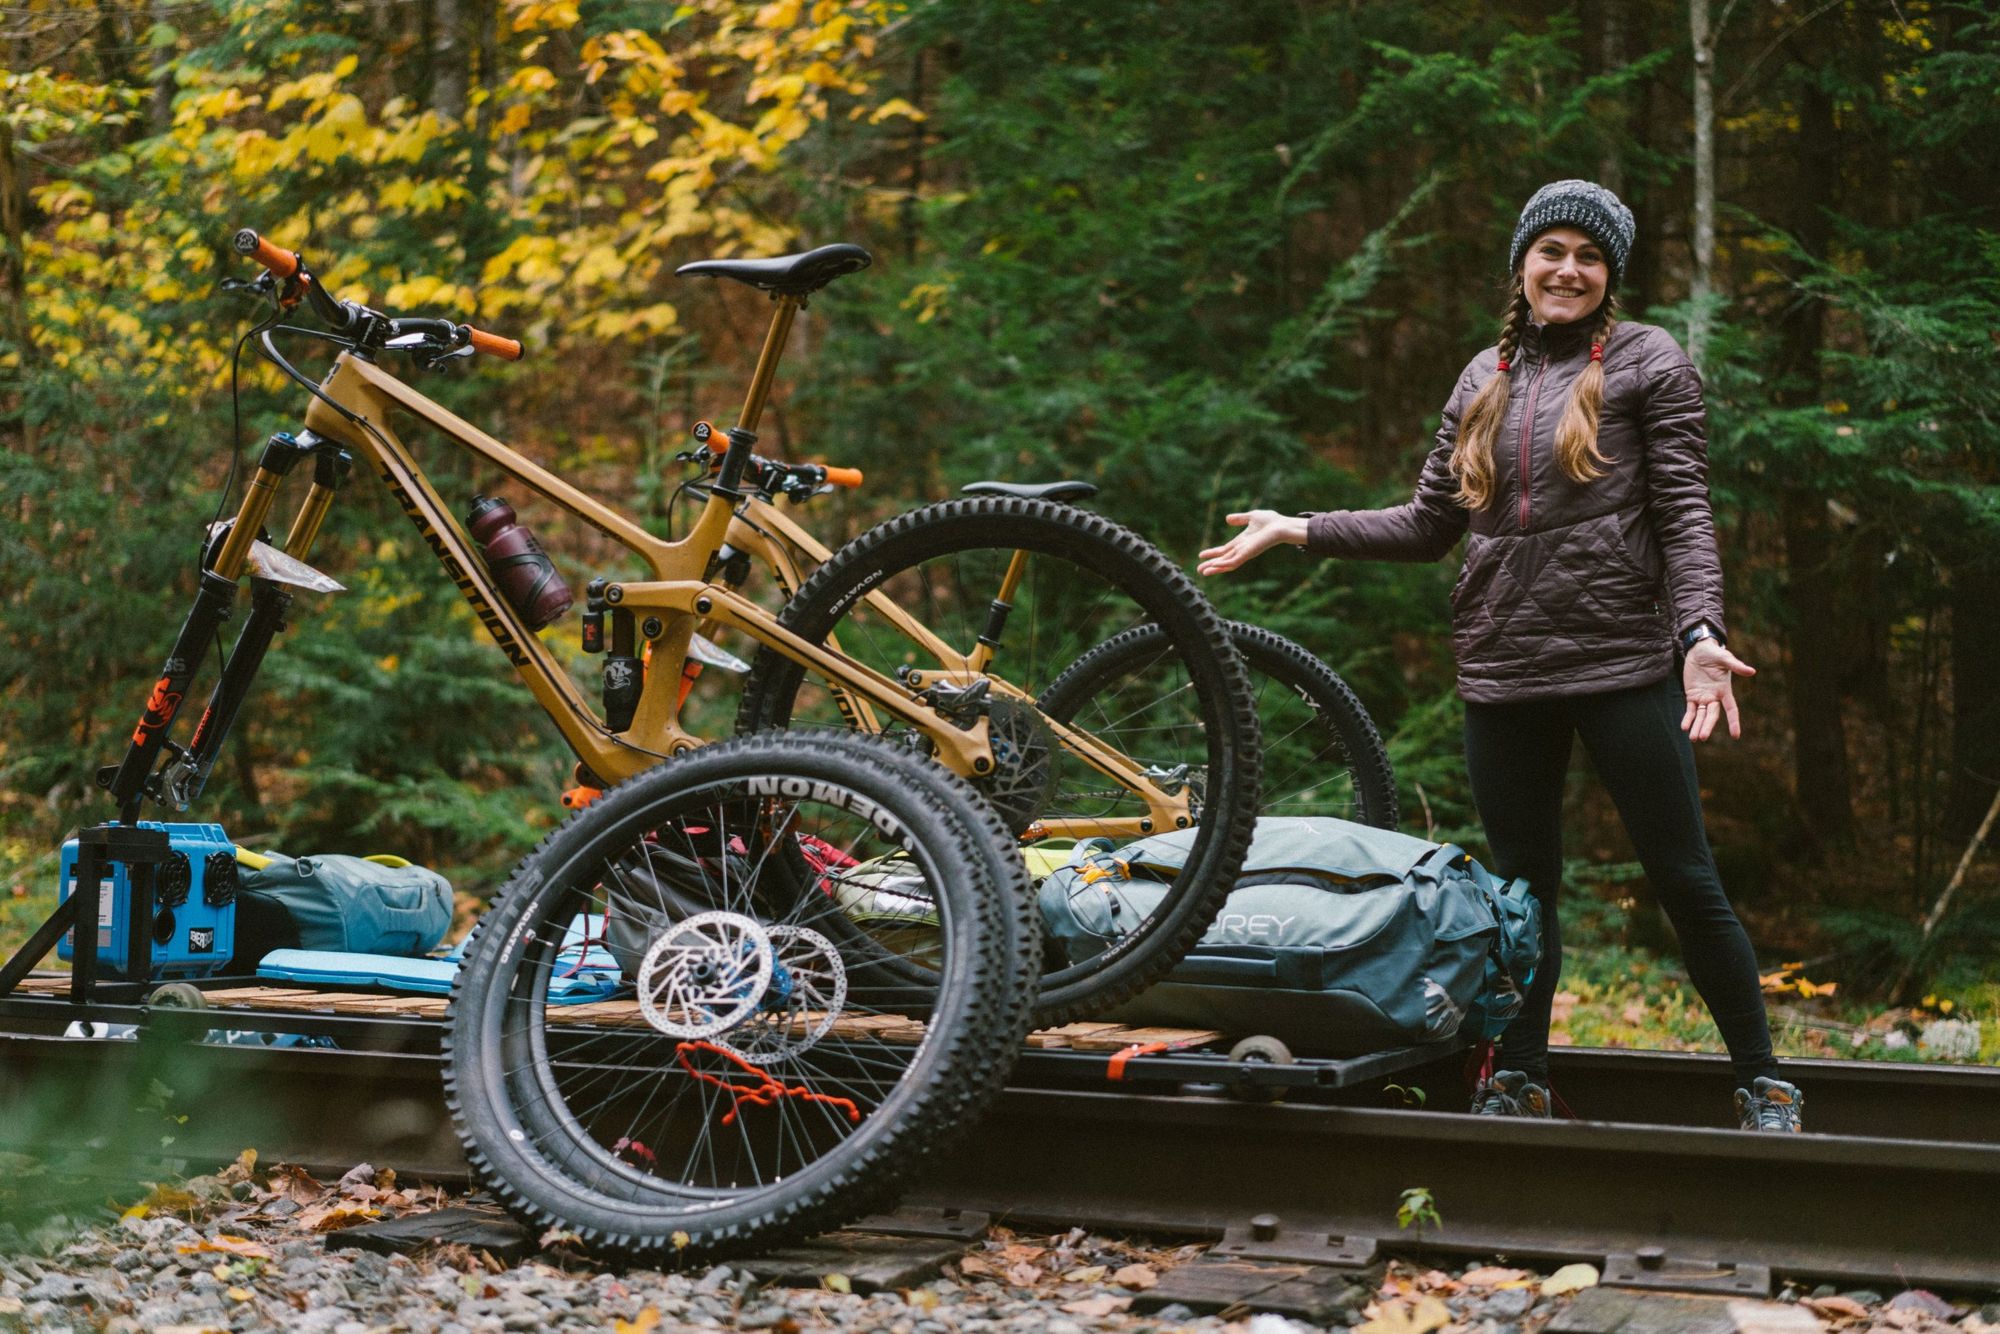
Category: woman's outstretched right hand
[1262,530]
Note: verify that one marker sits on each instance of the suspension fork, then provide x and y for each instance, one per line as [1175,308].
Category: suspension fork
[215,599]
[269,601]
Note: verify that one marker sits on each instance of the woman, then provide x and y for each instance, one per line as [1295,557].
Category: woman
[1575,453]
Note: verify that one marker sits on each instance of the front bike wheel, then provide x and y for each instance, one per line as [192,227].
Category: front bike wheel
[1040,584]
[664,1041]
[1322,754]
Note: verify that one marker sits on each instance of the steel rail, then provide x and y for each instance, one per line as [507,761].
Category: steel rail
[1322,1173]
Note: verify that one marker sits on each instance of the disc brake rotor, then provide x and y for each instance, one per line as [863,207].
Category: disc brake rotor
[807,996]
[705,974]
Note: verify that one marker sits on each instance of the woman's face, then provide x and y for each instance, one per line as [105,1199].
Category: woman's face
[1564,275]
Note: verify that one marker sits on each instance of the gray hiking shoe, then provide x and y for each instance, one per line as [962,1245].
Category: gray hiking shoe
[1510,1093]
[1771,1105]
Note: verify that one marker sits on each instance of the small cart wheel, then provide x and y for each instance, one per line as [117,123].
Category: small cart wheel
[177,996]
[1261,1049]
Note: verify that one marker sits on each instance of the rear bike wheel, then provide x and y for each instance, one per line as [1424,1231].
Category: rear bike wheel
[1322,754]
[654,1045]
[1187,726]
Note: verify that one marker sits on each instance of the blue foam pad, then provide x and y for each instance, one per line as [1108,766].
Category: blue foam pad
[430,977]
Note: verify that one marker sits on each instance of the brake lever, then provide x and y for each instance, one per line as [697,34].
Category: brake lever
[263,285]
[436,361]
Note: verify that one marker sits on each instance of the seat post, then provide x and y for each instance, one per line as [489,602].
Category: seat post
[767,361]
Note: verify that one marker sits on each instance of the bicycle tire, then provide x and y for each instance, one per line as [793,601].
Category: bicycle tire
[545,1122]
[1155,591]
[1308,717]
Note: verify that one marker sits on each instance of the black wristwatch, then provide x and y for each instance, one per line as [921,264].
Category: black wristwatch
[1699,631]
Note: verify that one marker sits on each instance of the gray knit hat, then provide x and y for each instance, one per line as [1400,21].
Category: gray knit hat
[1586,206]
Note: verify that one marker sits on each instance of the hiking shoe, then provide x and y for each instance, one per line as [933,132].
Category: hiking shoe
[1510,1093]
[1770,1104]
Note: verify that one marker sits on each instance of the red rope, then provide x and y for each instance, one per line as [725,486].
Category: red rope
[765,1094]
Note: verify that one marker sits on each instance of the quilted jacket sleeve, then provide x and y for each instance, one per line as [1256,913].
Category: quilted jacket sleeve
[1676,463]
[1426,528]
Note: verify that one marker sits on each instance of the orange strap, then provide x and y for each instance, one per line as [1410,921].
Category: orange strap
[761,1095]
[1116,1070]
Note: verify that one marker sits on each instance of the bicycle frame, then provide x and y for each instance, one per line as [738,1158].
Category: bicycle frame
[761,529]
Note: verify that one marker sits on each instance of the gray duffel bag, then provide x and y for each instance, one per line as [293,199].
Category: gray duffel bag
[1339,938]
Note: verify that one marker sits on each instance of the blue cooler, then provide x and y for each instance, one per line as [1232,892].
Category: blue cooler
[194,905]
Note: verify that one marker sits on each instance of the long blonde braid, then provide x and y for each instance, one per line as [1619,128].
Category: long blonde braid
[1472,452]
[1577,453]
[1576,435]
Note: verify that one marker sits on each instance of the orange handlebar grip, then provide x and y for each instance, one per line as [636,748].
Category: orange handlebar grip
[493,345]
[848,477]
[281,262]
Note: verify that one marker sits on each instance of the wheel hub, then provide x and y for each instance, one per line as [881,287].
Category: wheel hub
[704,975]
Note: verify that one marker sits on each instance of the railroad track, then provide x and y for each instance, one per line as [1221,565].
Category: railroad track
[1900,1183]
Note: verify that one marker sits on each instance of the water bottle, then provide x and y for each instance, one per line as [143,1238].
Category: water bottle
[527,577]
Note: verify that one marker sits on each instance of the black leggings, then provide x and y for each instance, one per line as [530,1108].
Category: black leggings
[1517,755]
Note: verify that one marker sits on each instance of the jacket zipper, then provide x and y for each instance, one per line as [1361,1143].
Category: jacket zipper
[1527,429]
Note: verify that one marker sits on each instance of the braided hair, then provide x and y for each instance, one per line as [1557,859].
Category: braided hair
[1577,453]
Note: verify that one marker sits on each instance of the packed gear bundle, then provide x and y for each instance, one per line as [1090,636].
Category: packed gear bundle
[1339,938]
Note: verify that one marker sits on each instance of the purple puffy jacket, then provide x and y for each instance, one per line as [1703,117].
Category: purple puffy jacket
[1568,588]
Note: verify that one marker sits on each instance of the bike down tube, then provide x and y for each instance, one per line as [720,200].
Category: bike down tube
[369,392]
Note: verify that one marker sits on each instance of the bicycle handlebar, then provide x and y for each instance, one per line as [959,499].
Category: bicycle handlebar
[290,266]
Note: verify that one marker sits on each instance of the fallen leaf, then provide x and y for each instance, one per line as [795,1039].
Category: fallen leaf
[334,1217]
[972,1264]
[288,1181]
[1022,1254]
[239,1294]
[1136,1276]
[1087,1274]
[1837,1308]
[1492,1276]
[1428,1314]
[836,1283]
[1024,1276]
[1903,1319]
[224,1244]
[1436,1280]
[556,1236]
[921,1298]
[680,1240]
[241,1169]
[1094,1308]
[639,1324]
[170,1200]
[1570,1278]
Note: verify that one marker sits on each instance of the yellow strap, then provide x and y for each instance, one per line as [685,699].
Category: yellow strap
[256,861]
[386,859]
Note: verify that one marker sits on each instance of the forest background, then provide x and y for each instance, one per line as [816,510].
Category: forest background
[1209,254]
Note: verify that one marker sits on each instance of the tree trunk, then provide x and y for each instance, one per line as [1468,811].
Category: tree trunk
[450,76]
[1975,695]
[14,267]
[1702,287]
[1817,591]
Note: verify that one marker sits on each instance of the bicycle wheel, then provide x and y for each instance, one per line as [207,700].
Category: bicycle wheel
[1322,754]
[653,1043]
[1185,731]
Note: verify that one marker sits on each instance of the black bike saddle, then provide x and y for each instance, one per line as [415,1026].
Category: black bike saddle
[786,275]
[1065,492]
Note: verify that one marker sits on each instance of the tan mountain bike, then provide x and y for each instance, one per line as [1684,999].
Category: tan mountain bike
[675,1033]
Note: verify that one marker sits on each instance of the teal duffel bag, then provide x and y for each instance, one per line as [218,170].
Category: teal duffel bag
[1339,938]
[358,905]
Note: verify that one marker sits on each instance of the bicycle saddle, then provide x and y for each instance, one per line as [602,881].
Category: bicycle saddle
[786,275]
[1064,492]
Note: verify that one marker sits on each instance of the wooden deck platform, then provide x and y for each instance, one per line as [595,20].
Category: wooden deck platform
[1089,1036]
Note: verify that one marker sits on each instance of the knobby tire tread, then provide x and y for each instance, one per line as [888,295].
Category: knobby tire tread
[957,525]
[971,1066]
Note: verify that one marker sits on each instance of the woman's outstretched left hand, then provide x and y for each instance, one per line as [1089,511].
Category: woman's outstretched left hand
[1705,676]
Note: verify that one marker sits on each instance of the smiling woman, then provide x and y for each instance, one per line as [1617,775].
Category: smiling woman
[1572,459]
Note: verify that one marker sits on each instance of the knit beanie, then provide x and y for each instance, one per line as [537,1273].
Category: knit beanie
[1586,206]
